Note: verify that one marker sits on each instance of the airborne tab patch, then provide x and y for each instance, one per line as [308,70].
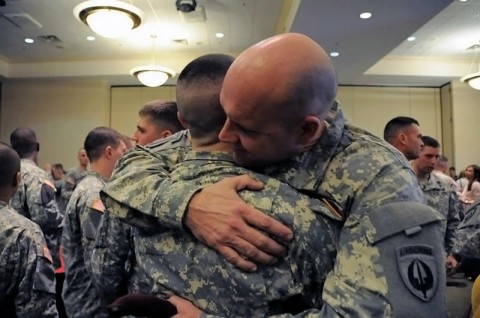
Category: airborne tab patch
[418,270]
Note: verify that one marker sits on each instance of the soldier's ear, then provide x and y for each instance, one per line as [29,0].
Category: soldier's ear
[108,151]
[16,179]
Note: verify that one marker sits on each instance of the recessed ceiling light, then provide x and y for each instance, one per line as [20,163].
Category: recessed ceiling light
[365,15]
[411,38]
[219,35]
[334,54]
[29,40]
[90,38]
[463,0]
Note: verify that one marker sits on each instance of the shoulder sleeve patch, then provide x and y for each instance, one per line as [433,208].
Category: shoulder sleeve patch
[70,180]
[50,184]
[98,205]
[46,253]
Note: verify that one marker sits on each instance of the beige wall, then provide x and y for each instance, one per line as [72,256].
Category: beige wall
[372,107]
[63,111]
[466,119]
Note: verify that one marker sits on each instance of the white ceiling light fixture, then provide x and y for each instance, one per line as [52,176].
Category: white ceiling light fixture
[108,18]
[152,75]
[365,15]
[473,79]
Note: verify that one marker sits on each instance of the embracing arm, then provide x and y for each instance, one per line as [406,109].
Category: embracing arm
[129,196]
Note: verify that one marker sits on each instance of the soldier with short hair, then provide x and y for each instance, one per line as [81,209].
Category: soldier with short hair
[35,197]
[75,175]
[113,259]
[104,146]
[27,281]
[440,195]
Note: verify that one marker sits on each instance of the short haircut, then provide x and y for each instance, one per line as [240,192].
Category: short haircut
[58,166]
[24,141]
[9,165]
[393,127]
[443,159]
[98,139]
[198,94]
[430,142]
[162,113]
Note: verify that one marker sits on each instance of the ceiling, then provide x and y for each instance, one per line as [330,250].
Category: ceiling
[372,52]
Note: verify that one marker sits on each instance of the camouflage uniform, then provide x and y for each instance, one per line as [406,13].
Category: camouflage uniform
[82,217]
[35,199]
[390,259]
[442,196]
[113,269]
[72,179]
[467,244]
[27,280]
[180,264]
[112,263]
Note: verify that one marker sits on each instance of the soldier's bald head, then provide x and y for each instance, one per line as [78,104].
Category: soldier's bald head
[9,165]
[288,69]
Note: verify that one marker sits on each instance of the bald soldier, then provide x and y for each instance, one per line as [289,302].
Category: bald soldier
[27,284]
[283,120]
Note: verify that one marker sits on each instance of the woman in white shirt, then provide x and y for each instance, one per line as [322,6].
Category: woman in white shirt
[472,191]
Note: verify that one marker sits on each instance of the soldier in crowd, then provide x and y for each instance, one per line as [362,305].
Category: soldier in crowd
[283,120]
[35,198]
[441,170]
[58,178]
[404,134]
[75,175]
[439,193]
[156,120]
[27,284]
[103,146]
[113,256]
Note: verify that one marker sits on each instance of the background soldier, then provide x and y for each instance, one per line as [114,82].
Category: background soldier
[35,198]
[103,146]
[75,175]
[27,284]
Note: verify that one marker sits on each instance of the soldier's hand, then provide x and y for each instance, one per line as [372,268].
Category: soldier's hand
[219,218]
[451,264]
[185,309]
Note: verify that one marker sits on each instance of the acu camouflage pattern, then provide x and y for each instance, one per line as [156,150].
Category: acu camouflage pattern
[35,200]
[72,179]
[27,279]
[442,196]
[81,221]
[113,259]
[467,244]
[362,174]
[140,170]
[113,270]
[180,264]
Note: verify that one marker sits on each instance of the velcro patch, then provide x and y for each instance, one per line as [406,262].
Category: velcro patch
[418,270]
[50,184]
[98,205]
[46,253]
[70,180]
